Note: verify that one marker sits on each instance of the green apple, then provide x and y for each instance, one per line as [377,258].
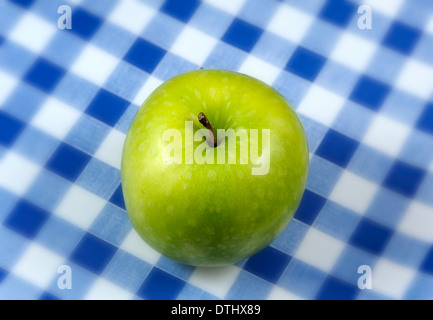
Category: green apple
[208,199]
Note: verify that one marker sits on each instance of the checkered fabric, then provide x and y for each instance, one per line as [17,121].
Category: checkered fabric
[364,96]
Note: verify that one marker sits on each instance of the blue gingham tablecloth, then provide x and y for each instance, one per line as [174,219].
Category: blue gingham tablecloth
[364,96]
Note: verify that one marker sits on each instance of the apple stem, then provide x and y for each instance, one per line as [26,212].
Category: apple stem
[205,122]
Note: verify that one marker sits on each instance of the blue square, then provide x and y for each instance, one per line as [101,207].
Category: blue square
[427,264]
[178,269]
[370,93]
[160,285]
[258,12]
[24,102]
[14,58]
[44,75]
[337,148]
[404,178]
[172,65]
[63,49]
[113,39]
[425,120]
[163,30]
[144,55]
[68,162]
[310,206]
[268,264]
[337,78]
[273,49]
[26,219]
[402,37]
[336,289]
[23,3]
[93,253]
[421,288]
[294,89]
[12,248]
[211,20]
[322,175]
[353,120]
[305,63]
[10,129]
[3,274]
[371,236]
[48,296]
[107,107]
[84,23]
[182,10]
[248,287]
[338,12]
[224,56]
[407,251]
[242,35]
[291,237]
[117,198]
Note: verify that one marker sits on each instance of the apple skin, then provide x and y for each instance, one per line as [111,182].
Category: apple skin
[212,214]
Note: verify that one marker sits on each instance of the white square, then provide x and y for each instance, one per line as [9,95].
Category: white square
[17,173]
[321,105]
[94,64]
[110,151]
[391,279]
[216,281]
[193,45]
[418,222]
[259,69]
[386,135]
[290,23]
[105,290]
[33,32]
[278,293]
[8,83]
[230,6]
[136,246]
[353,51]
[151,84]
[416,77]
[80,207]
[353,192]
[132,15]
[38,265]
[386,7]
[56,118]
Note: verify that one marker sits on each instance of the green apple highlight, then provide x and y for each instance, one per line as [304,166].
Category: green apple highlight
[213,167]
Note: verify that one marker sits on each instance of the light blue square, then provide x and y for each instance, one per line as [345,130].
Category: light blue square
[314,131]
[403,106]
[190,292]
[82,280]
[15,59]
[12,247]
[48,9]
[292,87]
[321,37]
[99,7]
[87,134]
[337,220]
[385,65]
[424,48]
[225,56]
[416,13]
[371,294]
[47,190]
[64,48]
[309,6]
[349,261]
[337,78]
[36,145]
[302,279]
[24,102]
[162,30]
[370,163]
[59,236]
[75,91]
[112,224]
[180,270]
[211,20]
[291,237]
[15,288]
[125,121]
[406,251]
[387,208]
[126,270]
[7,201]
[126,80]
[322,176]
[418,149]
[172,65]
[379,26]
[9,15]
[249,287]
[99,178]
[424,193]
[113,39]
[274,49]
[421,288]
[258,12]
[353,120]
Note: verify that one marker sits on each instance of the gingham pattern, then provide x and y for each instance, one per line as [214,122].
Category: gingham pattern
[365,98]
